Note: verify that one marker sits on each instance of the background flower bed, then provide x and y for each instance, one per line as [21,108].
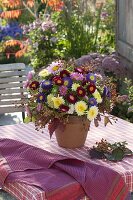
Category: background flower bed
[79,30]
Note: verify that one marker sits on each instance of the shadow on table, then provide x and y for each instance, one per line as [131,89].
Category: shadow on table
[8,119]
[5,196]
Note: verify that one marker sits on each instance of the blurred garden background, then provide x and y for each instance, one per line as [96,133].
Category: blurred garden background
[36,32]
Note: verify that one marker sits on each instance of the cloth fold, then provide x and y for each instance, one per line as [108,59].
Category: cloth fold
[34,166]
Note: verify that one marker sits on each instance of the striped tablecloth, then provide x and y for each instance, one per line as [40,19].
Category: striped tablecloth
[26,133]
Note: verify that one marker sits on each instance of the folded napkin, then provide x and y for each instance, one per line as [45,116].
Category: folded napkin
[34,166]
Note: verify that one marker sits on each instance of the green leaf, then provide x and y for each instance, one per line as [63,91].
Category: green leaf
[33,119]
[106,120]
[96,122]
[116,155]
[128,152]
[27,120]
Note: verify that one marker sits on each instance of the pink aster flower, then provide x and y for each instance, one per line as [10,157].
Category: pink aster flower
[30,75]
[63,90]
[77,76]
[26,84]
[55,67]
[28,111]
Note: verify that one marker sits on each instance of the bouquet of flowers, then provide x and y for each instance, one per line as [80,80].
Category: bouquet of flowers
[62,90]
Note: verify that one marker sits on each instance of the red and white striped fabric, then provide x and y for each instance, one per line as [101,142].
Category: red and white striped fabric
[26,133]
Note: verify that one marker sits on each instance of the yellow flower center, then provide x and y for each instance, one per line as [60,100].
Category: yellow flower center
[92,78]
[81,108]
[91,88]
[92,113]
[65,83]
[55,68]
[71,97]
[80,91]
[34,85]
[59,81]
[47,83]
[41,97]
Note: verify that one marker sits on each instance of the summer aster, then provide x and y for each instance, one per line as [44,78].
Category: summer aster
[97,96]
[92,113]
[43,73]
[34,85]
[80,107]
[47,84]
[58,101]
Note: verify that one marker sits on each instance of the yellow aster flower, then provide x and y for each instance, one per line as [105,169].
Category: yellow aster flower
[97,96]
[75,86]
[58,101]
[44,73]
[92,113]
[50,101]
[80,107]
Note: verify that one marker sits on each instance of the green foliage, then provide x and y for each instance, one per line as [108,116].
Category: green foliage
[25,18]
[81,32]
[124,105]
[113,152]
[106,40]
[27,120]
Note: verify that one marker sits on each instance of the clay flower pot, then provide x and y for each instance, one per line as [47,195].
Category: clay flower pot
[74,133]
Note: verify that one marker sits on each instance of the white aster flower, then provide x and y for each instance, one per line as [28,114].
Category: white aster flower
[92,113]
[71,109]
[75,86]
[43,73]
[80,107]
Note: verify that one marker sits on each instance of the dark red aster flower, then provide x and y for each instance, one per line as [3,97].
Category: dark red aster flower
[81,91]
[55,78]
[64,73]
[84,82]
[58,81]
[79,70]
[34,85]
[71,98]
[64,108]
[91,88]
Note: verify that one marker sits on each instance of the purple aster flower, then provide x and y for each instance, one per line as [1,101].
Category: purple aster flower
[92,102]
[55,67]
[41,97]
[77,76]
[91,77]
[47,84]
[39,107]
[67,82]
[106,92]
[63,90]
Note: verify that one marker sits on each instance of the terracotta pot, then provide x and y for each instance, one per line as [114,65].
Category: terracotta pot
[74,133]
